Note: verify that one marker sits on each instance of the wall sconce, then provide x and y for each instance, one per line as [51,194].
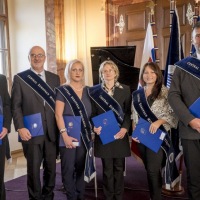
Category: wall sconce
[102,5]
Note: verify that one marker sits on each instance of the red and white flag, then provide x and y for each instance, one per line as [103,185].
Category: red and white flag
[148,54]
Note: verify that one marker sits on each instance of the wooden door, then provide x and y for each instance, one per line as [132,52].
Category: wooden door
[136,17]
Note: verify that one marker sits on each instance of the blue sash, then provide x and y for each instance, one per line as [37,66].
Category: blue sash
[78,109]
[39,87]
[106,102]
[191,65]
[142,108]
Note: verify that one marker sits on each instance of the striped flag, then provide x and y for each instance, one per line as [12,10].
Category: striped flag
[174,51]
[148,54]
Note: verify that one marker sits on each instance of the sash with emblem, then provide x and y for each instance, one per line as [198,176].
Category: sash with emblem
[78,109]
[170,170]
[39,87]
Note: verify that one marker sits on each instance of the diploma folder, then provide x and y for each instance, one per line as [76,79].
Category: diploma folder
[34,124]
[1,126]
[195,108]
[152,141]
[109,126]
[73,126]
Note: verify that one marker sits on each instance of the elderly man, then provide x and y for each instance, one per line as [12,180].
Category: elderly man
[33,100]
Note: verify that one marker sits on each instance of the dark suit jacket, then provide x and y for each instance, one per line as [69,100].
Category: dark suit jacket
[6,123]
[119,148]
[184,90]
[6,102]
[26,102]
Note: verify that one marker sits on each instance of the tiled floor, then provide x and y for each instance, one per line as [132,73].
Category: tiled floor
[16,168]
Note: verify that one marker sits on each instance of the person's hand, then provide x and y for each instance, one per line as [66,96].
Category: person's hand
[97,130]
[136,139]
[195,124]
[121,133]
[68,140]
[154,126]
[24,134]
[3,133]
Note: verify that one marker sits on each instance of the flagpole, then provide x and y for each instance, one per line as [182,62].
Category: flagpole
[177,190]
[151,5]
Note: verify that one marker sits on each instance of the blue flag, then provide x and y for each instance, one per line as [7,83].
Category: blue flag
[175,52]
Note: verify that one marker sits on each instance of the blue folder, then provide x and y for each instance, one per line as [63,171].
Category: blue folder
[1,126]
[195,108]
[152,141]
[109,126]
[34,124]
[73,126]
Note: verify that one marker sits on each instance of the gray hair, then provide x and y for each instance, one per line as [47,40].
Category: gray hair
[113,65]
[69,67]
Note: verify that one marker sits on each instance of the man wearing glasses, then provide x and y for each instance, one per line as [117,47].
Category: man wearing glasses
[33,103]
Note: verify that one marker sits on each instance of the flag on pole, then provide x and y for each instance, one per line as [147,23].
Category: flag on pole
[148,54]
[175,52]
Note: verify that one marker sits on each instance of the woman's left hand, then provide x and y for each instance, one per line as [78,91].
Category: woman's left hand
[154,126]
[121,133]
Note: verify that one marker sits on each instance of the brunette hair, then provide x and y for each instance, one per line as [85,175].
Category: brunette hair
[159,81]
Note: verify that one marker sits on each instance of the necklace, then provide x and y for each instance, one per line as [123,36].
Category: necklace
[78,90]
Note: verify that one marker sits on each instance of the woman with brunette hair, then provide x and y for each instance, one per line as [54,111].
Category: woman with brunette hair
[150,102]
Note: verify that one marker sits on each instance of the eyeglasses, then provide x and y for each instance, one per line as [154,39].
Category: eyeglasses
[33,56]
[107,71]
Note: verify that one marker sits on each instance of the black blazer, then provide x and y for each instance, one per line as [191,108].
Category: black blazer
[26,102]
[6,102]
[119,148]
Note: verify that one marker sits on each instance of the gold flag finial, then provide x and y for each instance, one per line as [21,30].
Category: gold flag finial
[151,5]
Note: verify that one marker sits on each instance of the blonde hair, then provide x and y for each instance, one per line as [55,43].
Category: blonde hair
[69,67]
[113,65]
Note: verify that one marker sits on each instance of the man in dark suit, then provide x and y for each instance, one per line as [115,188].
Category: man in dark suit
[5,110]
[184,91]
[33,94]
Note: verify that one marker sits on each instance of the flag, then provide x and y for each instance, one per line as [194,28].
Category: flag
[148,54]
[175,52]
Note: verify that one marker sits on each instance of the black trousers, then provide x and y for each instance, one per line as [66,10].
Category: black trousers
[37,154]
[2,168]
[191,152]
[153,163]
[113,178]
[72,169]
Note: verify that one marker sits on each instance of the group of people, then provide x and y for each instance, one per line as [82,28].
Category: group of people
[38,92]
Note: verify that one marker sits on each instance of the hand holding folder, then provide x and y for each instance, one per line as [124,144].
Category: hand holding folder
[73,126]
[152,141]
[34,124]
[109,126]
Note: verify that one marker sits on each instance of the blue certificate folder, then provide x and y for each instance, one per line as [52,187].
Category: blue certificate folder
[195,108]
[109,126]
[1,126]
[152,141]
[73,126]
[34,124]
